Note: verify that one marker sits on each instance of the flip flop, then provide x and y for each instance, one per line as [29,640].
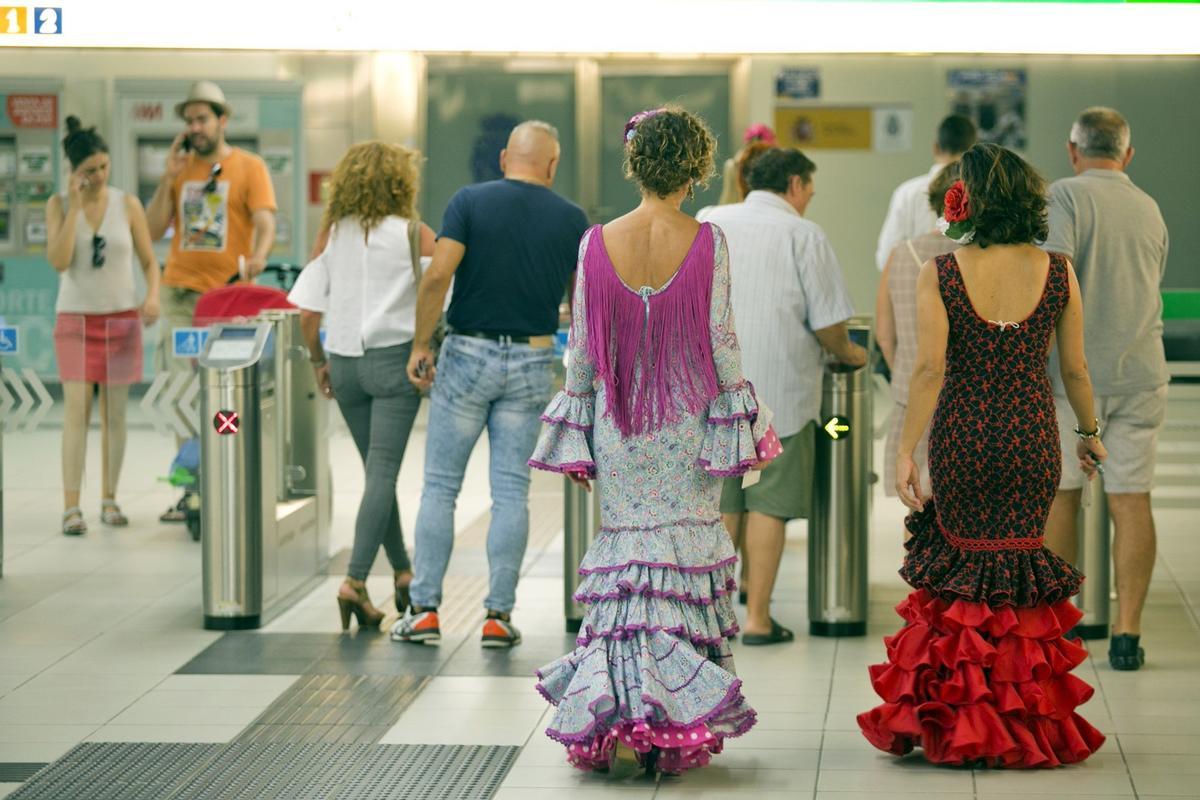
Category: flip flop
[778,635]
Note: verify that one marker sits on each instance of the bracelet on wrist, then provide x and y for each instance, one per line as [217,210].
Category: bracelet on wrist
[1094,433]
[319,362]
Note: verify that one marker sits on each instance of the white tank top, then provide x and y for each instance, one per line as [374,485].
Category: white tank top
[85,289]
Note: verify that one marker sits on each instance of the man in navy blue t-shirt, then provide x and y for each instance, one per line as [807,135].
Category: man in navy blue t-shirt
[510,246]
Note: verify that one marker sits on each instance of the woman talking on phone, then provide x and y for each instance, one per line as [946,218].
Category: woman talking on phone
[94,230]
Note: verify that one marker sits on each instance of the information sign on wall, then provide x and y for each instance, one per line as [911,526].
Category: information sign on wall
[824,128]
[33,110]
[798,83]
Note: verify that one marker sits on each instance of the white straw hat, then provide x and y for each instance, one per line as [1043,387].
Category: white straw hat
[205,92]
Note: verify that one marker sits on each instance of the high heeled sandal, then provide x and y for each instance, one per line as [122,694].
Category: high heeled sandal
[110,514]
[73,523]
[368,615]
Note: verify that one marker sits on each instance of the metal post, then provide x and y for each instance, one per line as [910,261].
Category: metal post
[1094,559]
[581,521]
[237,408]
[839,527]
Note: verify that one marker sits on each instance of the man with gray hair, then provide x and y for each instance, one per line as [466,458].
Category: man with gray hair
[1116,236]
[510,246]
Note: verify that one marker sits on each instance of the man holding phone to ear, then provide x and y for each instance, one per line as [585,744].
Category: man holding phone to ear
[222,204]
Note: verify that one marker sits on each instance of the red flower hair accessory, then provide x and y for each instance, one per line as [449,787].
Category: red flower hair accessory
[956,214]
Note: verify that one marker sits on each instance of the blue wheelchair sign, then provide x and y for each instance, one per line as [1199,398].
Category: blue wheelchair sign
[9,340]
[188,342]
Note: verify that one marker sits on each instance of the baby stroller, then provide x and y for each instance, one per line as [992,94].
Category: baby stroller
[226,304]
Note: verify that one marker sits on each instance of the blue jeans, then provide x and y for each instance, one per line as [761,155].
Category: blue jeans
[503,387]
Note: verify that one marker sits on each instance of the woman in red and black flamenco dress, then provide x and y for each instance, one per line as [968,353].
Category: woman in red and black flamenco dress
[981,674]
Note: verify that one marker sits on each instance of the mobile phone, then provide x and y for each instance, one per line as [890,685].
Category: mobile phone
[186,144]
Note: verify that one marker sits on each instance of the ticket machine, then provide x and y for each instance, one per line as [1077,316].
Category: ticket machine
[31,119]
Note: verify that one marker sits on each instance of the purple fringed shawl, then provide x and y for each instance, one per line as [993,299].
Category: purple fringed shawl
[656,369]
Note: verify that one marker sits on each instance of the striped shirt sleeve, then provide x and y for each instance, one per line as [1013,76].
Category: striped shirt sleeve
[821,279]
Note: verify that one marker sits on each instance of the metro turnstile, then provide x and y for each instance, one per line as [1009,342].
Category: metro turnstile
[839,527]
[263,457]
[581,521]
[1093,558]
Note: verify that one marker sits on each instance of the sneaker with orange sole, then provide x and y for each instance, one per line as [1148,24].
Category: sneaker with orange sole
[499,632]
[419,628]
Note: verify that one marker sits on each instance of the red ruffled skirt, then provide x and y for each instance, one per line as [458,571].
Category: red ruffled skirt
[969,683]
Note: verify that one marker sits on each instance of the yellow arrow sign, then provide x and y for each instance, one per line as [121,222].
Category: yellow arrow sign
[836,426]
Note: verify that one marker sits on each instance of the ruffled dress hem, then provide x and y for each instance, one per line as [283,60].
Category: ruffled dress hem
[972,684]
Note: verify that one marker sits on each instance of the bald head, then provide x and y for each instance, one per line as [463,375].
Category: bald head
[532,153]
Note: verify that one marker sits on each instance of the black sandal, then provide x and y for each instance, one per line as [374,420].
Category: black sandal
[1124,654]
[778,635]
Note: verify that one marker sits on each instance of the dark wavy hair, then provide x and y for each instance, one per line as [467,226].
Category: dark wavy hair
[81,143]
[773,170]
[668,149]
[744,162]
[1007,196]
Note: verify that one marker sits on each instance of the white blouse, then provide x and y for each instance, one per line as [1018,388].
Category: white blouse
[363,285]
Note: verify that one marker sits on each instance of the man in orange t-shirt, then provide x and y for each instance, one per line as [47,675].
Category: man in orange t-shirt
[222,203]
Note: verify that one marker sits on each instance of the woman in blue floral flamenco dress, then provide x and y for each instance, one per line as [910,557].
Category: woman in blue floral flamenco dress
[981,672]
[657,410]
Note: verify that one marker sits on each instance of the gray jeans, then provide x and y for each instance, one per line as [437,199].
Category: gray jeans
[379,405]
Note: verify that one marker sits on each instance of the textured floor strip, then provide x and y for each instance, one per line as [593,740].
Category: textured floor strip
[17,771]
[117,771]
[271,771]
[336,709]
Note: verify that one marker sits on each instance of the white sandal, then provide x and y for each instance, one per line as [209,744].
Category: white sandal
[73,523]
[110,514]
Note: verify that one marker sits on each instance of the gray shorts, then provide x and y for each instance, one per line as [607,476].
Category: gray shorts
[1131,425]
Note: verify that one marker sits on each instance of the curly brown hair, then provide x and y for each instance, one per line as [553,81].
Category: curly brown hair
[373,180]
[1007,196]
[668,150]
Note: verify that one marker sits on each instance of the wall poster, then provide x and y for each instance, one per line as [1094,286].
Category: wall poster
[994,99]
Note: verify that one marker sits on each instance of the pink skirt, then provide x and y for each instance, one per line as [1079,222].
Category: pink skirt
[99,348]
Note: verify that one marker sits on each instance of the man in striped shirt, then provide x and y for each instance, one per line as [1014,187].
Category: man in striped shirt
[790,303]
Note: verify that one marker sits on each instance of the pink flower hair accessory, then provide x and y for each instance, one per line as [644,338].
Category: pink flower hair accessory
[636,119]
[760,132]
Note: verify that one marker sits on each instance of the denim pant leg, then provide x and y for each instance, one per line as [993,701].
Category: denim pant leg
[379,405]
[465,378]
[513,428]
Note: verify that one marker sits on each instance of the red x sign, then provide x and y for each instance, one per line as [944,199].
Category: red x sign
[226,422]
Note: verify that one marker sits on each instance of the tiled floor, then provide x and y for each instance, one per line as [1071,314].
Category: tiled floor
[100,640]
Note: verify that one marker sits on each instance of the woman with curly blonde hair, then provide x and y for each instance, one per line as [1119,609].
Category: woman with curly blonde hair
[364,283]
[656,410]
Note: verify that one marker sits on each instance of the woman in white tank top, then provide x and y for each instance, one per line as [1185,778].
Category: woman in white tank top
[94,230]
